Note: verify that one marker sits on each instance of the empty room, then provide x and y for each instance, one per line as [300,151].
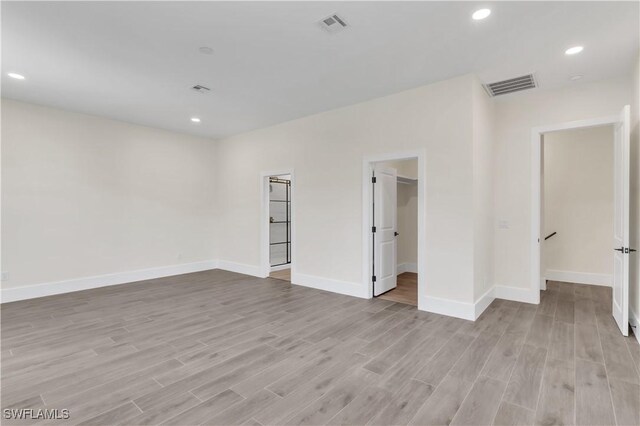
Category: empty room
[320,213]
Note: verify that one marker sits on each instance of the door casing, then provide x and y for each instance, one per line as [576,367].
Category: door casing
[367,200]
[537,282]
[265,266]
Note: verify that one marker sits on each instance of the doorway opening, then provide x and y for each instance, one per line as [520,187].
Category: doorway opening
[278,197]
[394,244]
[580,228]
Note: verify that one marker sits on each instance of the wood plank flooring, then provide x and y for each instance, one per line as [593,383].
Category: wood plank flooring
[221,348]
[406,290]
[283,274]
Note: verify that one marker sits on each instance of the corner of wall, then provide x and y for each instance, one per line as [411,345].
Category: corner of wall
[483,199]
[634,267]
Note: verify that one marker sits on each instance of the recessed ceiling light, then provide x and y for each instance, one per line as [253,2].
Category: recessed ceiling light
[481,14]
[575,77]
[206,50]
[195,119]
[16,76]
[573,50]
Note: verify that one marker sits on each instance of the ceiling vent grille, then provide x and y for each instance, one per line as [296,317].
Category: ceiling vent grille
[512,85]
[201,89]
[333,23]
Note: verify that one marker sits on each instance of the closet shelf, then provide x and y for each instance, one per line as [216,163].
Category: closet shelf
[406,180]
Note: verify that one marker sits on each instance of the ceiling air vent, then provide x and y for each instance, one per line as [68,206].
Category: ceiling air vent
[512,85]
[200,89]
[333,23]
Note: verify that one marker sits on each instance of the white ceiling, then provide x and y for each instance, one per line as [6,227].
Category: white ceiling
[135,61]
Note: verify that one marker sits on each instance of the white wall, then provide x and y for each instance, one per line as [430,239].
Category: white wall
[634,218]
[516,115]
[483,191]
[85,196]
[578,205]
[328,200]
[408,226]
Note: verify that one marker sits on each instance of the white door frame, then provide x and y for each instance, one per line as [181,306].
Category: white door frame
[367,200]
[537,280]
[265,265]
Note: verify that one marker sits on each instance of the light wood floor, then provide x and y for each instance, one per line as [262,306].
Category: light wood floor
[283,274]
[221,348]
[406,290]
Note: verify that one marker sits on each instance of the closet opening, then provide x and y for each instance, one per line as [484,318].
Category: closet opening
[393,205]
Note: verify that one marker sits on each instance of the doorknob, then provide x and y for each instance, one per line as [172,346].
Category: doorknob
[631,250]
[621,249]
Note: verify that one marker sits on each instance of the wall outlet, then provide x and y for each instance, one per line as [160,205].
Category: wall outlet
[5,276]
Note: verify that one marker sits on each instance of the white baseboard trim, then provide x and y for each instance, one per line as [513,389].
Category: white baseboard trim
[579,277]
[454,308]
[241,268]
[67,286]
[448,307]
[407,267]
[634,320]
[483,303]
[517,294]
[327,284]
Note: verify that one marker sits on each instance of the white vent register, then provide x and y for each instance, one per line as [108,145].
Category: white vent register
[333,23]
[511,85]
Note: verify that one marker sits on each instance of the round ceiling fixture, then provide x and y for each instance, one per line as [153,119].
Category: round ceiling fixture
[481,14]
[195,119]
[573,50]
[206,50]
[576,77]
[15,75]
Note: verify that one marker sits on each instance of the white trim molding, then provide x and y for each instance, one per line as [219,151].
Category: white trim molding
[327,284]
[265,266]
[517,294]
[242,268]
[451,308]
[367,197]
[458,309]
[579,277]
[12,294]
[537,282]
[634,320]
[407,267]
[483,303]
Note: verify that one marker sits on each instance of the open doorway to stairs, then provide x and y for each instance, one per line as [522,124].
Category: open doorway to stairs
[581,217]
[393,247]
[279,225]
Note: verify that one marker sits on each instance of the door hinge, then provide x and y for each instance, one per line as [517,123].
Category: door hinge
[373,179]
[373,278]
[373,229]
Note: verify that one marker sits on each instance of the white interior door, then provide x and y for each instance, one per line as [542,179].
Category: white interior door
[385,212]
[621,222]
